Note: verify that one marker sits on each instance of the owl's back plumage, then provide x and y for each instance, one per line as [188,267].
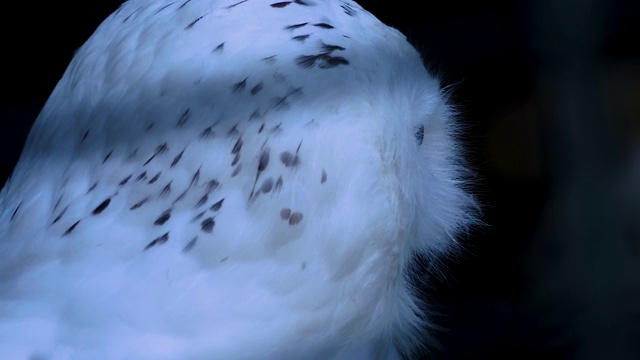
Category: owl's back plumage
[226,179]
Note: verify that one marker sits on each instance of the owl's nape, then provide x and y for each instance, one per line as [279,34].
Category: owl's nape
[216,179]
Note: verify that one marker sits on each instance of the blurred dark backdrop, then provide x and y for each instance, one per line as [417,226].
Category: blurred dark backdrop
[549,92]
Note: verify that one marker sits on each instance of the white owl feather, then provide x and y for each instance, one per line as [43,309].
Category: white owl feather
[226,179]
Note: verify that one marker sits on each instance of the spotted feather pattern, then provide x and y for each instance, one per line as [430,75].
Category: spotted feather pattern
[224,179]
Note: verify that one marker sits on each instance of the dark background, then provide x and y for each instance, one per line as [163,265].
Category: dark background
[549,93]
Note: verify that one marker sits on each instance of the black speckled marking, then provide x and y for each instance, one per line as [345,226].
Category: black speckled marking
[261,128]
[163,218]
[184,4]
[155,178]
[267,185]
[177,159]
[166,190]
[331,48]
[130,15]
[301,38]
[236,158]
[285,214]
[218,49]
[198,217]
[184,118]
[295,26]
[13,215]
[100,208]
[207,133]
[125,180]
[419,134]
[239,86]
[237,147]
[264,160]
[207,225]
[211,186]
[139,204]
[348,9]
[216,207]
[142,176]
[92,187]
[256,89]
[236,4]
[71,228]
[194,22]
[280,5]
[158,241]
[107,156]
[161,149]
[323,25]
[323,61]
[296,218]
[203,200]
[164,7]
[190,245]
[60,215]
[236,170]
[289,159]
[279,184]
[84,136]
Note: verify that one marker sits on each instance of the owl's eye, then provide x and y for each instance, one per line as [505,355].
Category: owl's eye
[419,134]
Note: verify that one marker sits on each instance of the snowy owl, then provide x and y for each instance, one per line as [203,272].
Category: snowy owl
[230,179]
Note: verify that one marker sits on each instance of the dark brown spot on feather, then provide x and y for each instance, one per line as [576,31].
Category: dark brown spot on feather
[323,178]
[280,5]
[158,241]
[295,218]
[95,184]
[139,203]
[264,160]
[296,26]
[184,117]
[237,147]
[217,205]
[60,215]
[256,89]
[193,22]
[177,158]
[142,176]
[190,244]
[285,213]
[219,48]
[71,228]
[100,208]
[166,190]
[107,157]
[235,160]
[163,218]
[207,133]
[239,86]
[267,185]
[155,178]
[289,159]
[203,200]
[207,225]
[301,38]
[211,186]
[125,180]
[323,26]
[279,184]
[236,170]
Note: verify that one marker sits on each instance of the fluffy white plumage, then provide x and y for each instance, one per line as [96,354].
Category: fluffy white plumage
[226,179]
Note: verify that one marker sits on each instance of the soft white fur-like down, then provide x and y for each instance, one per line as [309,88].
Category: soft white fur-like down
[226,179]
